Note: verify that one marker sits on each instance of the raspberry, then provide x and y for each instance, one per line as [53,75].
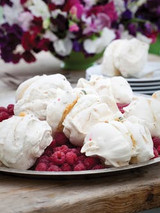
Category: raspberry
[3,109]
[81,158]
[54,168]
[58,157]
[10,109]
[41,167]
[98,166]
[79,167]
[71,158]
[60,138]
[52,144]
[43,159]
[90,162]
[156,141]
[155,153]
[3,116]
[158,150]
[48,151]
[66,167]
[62,148]
[77,151]
[121,106]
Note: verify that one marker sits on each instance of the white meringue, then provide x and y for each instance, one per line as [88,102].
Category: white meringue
[23,141]
[88,111]
[119,143]
[59,108]
[125,57]
[156,95]
[147,109]
[113,88]
[24,86]
[141,139]
[34,95]
[108,66]
[110,142]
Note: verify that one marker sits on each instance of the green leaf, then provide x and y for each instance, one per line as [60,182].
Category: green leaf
[155,47]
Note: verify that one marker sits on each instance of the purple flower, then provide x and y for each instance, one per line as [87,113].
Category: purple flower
[3,2]
[61,25]
[126,15]
[10,37]
[77,46]
[132,28]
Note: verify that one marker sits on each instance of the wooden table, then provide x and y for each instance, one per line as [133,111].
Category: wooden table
[126,192]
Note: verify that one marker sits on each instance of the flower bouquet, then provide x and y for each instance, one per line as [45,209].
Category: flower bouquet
[141,19]
[75,31]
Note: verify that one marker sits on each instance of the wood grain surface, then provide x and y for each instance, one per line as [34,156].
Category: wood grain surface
[127,192]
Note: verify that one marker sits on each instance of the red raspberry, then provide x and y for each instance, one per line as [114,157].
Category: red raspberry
[43,159]
[60,138]
[3,109]
[156,141]
[62,148]
[3,116]
[121,106]
[158,150]
[71,158]
[41,167]
[66,167]
[58,157]
[79,167]
[48,151]
[90,162]
[98,166]
[52,144]
[10,109]
[155,153]
[77,151]
[54,168]
[81,158]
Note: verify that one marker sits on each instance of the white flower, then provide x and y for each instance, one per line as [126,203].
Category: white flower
[58,2]
[63,47]
[120,6]
[125,35]
[99,44]
[56,12]
[50,35]
[133,6]
[11,14]
[144,38]
[39,9]
[25,19]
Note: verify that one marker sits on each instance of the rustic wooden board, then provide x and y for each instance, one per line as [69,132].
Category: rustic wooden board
[120,193]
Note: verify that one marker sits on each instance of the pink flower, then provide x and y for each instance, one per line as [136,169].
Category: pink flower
[77,10]
[108,9]
[73,28]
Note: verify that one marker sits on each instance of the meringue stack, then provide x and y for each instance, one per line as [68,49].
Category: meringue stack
[147,109]
[23,141]
[119,143]
[34,95]
[125,57]
[89,117]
